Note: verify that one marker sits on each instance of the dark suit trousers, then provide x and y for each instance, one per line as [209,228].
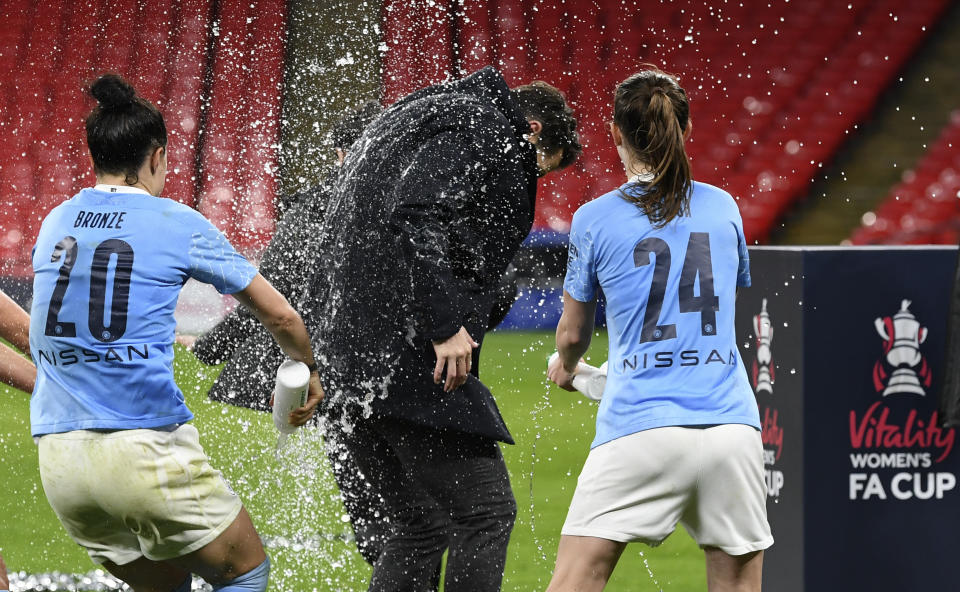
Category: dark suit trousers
[364,507]
[442,490]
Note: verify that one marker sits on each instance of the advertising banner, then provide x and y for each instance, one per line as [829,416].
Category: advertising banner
[770,329]
[845,348]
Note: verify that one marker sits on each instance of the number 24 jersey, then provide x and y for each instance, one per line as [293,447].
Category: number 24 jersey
[108,267]
[670,295]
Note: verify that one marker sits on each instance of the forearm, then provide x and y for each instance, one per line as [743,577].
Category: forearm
[276,314]
[14,323]
[292,336]
[16,370]
[572,343]
[574,330]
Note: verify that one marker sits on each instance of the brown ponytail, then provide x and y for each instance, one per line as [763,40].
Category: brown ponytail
[652,113]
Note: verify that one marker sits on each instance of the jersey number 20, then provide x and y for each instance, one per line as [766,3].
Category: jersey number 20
[696,263]
[66,249]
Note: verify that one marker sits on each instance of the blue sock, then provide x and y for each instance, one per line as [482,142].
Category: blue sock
[254,580]
[186,585]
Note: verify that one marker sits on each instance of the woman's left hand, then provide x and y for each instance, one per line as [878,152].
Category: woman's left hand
[186,341]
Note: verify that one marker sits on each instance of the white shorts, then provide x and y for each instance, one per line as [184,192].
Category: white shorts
[135,493]
[638,487]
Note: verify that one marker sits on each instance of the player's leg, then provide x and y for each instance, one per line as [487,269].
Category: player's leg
[631,489]
[82,485]
[236,552]
[144,575]
[148,505]
[733,573]
[729,516]
[584,563]
[4,582]
[207,531]
[234,561]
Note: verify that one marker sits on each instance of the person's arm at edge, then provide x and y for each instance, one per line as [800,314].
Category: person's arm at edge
[14,324]
[573,339]
[16,370]
[4,580]
[286,326]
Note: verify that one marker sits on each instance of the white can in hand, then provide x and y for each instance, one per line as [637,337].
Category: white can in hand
[289,393]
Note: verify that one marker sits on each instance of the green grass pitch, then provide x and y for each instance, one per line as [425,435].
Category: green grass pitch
[295,504]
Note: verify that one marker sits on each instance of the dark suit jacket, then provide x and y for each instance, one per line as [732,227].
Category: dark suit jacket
[251,354]
[432,204]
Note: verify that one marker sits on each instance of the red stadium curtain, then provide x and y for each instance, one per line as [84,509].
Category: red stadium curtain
[419,46]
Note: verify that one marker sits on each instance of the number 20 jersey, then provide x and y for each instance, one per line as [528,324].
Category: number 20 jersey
[108,268]
[670,295]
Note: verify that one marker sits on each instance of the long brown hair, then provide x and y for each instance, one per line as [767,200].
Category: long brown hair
[652,112]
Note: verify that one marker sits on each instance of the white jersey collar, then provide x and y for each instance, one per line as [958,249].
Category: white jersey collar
[641,178]
[119,189]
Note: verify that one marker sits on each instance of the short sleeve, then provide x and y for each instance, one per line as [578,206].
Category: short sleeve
[214,261]
[743,268]
[581,280]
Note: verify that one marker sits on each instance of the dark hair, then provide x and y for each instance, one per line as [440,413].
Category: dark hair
[544,103]
[348,130]
[652,113]
[123,128]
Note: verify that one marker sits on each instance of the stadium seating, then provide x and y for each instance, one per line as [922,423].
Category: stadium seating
[925,206]
[238,160]
[775,88]
[213,89]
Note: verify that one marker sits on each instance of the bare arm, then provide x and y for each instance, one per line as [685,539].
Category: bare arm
[16,370]
[4,582]
[14,323]
[573,339]
[286,326]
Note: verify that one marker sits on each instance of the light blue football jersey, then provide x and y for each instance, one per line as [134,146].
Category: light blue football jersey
[108,268]
[670,295]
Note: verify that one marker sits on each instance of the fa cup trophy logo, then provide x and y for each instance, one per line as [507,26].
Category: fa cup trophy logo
[902,336]
[763,373]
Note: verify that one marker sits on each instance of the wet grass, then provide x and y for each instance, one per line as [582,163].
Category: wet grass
[295,504]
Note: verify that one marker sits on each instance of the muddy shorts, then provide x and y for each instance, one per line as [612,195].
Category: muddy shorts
[128,494]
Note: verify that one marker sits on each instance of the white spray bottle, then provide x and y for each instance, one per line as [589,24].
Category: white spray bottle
[289,393]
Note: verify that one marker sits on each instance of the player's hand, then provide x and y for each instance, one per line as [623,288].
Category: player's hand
[456,355]
[560,375]
[186,341]
[315,394]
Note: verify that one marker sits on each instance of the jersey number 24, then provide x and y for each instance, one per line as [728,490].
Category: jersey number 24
[696,263]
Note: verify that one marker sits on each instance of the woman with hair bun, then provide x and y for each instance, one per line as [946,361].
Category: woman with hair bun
[678,431]
[121,466]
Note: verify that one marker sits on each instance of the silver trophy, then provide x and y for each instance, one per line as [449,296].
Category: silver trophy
[902,336]
[763,366]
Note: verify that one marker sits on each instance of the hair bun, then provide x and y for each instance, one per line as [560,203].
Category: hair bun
[112,91]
